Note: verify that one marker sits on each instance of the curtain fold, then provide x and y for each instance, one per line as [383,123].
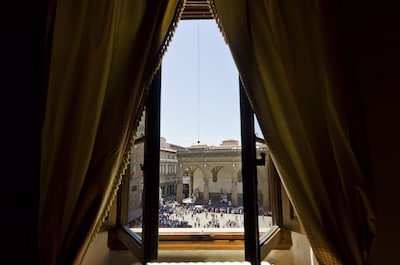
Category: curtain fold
[104,54]
[291,70]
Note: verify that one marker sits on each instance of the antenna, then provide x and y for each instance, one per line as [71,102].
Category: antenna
[198,82]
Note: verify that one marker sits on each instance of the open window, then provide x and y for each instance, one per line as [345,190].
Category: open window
[159,172]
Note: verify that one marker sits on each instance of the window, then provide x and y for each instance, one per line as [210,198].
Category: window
[261,198]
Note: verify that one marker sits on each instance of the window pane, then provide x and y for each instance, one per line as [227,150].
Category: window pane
[200,169]
[208,193]
[135,207]
[200,120]
[264,190]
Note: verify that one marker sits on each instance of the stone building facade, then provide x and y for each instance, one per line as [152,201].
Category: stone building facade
[215,173]
[203,174]
[168,168]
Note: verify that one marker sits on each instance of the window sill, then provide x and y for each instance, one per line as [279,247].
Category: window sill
[188,240]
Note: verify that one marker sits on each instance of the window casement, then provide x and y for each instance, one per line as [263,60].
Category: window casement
[147,240]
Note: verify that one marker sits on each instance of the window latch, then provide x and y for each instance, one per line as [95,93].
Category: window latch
[261,161]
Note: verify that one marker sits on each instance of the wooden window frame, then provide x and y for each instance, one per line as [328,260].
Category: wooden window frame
[121,237]
[256,248]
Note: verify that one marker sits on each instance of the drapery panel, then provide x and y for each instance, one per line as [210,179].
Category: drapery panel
[291,70]
[104,54]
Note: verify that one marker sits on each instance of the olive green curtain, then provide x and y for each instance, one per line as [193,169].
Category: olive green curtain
[292,72]
[103,56]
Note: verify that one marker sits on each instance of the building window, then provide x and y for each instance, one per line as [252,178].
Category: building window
[243,195]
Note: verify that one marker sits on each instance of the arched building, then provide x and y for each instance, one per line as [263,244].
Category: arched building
[214,173]
[200,174]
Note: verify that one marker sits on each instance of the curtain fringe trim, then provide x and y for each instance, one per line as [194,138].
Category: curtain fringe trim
[127,154]
[214,14]
[168,38]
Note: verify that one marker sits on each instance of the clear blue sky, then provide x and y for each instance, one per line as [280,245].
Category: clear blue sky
[200,87]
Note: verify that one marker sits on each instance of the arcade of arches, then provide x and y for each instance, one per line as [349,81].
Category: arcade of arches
[199,174]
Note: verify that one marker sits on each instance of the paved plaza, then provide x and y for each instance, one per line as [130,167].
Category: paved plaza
[200,217]
[213,217]
[205,219]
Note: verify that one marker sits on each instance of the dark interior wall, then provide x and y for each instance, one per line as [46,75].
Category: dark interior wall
[380,72]
[373,34]
[22,35]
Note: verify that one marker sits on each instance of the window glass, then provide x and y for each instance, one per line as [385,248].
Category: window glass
[200,120]
[200,167]
[264,190]
[135,198]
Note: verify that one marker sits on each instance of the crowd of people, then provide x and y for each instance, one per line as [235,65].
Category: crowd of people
[173,214]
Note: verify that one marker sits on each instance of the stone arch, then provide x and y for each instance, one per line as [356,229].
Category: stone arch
[214,172]
[198,178]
